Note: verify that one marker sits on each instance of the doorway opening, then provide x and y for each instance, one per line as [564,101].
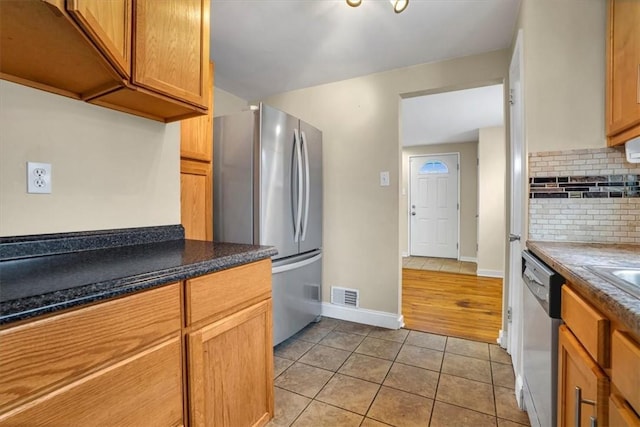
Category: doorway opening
[452,205]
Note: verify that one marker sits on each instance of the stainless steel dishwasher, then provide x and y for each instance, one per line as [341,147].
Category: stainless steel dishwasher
[541,305]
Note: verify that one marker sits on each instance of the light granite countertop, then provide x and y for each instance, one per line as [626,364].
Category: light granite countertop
[571,260]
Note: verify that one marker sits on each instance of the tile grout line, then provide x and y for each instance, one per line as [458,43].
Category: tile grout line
[313,398]
[394,361]
[385,378]
[435,395]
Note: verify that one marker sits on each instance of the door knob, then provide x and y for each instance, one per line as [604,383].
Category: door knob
[513,237]
[413,213]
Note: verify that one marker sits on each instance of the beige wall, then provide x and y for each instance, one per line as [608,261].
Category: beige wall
[109,169]
[359,120]
[227,103]
[564,73]
[492,169]
[468,193]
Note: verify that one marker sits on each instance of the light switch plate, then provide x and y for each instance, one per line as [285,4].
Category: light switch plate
[384,179]
[38,178]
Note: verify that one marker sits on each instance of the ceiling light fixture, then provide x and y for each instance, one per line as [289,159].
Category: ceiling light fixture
[398,5]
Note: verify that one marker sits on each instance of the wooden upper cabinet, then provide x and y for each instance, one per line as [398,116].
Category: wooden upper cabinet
[623,71]
[108,24]
[196,134]
[172,48]
[42,47]
[143,57]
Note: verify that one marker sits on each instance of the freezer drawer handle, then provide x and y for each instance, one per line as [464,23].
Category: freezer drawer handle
[289,267]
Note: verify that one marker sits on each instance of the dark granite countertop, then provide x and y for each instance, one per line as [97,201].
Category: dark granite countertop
[31,286]
[571,260]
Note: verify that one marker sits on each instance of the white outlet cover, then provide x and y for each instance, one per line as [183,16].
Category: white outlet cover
[38,178]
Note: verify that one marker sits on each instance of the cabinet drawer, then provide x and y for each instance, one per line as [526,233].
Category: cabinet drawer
[587,324]
[53,351]
[222,293]
[143,390]
[621,414]
[625,367]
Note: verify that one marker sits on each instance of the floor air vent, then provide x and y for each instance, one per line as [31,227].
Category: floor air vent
[344,296]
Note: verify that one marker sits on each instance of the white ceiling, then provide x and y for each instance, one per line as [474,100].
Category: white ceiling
[264,47]
[451,116]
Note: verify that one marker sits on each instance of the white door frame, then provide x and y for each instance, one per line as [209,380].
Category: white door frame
[512,295]
[457,154]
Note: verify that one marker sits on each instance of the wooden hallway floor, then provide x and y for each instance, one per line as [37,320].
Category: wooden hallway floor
[458,305]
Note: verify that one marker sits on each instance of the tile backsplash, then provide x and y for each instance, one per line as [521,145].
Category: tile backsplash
[584,196]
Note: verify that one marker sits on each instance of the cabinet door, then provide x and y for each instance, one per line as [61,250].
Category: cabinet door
[196,200]
[621,414]
[196,134]
[623,97]
[143,390]
[108,24]
[231,370]
[578,372]
[171,51]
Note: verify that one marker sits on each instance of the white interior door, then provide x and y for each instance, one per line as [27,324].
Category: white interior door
[513,292]
[433,206]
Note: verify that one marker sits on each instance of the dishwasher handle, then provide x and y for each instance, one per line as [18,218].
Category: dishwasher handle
[539,290]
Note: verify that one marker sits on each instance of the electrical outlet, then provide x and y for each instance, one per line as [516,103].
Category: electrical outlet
[38,178]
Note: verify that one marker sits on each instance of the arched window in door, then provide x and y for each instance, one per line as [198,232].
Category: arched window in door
[432,167]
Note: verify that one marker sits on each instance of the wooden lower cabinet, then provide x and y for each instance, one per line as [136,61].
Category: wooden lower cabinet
[231,370]
[140,361]
[579,373]
[145,389]
[621,414]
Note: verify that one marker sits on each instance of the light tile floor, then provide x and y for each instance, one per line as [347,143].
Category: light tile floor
[336,373]
[446,265]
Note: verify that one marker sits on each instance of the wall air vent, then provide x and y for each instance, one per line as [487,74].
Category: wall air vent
[346,297]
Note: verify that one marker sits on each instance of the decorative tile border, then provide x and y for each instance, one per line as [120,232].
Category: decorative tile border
[578,187]
[590,195]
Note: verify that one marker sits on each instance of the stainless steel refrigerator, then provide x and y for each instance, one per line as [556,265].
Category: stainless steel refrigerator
[267,181]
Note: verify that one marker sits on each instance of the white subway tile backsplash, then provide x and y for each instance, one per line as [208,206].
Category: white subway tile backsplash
[584,195]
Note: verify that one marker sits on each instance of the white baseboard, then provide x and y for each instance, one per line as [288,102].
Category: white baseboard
[468,259]
[502,339]
[490,273]
[405,254]
[362,315]
[520,392]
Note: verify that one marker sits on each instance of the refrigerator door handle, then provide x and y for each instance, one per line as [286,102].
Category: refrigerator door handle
[295,265]
[298,224]
[306,186]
